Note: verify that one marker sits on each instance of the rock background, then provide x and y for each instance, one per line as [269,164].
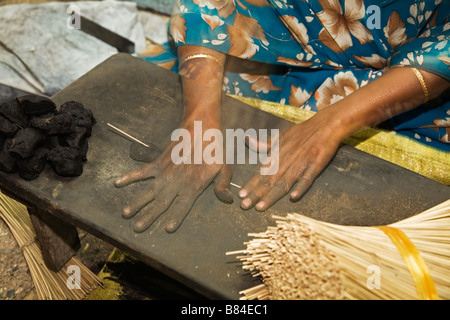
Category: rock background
[45,55]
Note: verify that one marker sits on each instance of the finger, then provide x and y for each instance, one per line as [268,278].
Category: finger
[179,211]
[279,190]
[256,144]
[250,185]
[222,185]
[152,211]
[145,172]
[304,182]
[258,191]
[138,202]
[263,143]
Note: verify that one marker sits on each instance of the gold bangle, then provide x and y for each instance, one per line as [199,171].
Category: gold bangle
[422,83]
[201,55]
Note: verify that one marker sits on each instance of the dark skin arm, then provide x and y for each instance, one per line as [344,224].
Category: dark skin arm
[174,188]
[306,148]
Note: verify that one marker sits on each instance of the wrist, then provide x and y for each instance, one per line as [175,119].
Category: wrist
[208,118]
[336,123]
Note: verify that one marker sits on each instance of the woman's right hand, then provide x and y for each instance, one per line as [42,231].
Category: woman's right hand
[175,187]
[172,187]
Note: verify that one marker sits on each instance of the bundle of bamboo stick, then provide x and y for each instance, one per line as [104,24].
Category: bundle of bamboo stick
[302,258]
[49,285]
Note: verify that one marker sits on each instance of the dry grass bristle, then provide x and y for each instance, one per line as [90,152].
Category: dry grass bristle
[49,285]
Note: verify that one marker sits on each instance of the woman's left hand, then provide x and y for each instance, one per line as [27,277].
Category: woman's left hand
[304,150]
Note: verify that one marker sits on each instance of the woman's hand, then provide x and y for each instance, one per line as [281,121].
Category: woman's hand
[303,150]
[306,148]
[174,187]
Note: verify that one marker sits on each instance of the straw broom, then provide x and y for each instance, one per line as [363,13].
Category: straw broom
[302,258]
[49,285]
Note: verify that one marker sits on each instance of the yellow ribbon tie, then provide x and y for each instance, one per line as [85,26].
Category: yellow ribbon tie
[416,265]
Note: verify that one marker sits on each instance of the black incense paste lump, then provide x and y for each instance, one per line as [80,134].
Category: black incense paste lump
[66,161]
[34,105]
[14,112]
[54,124]
[8,129]
[33,132]
[76,138]
[25,142]
[82,117]
[31,167]
[8,163]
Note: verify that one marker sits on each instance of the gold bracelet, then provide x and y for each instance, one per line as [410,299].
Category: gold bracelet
[422,83]
[201,55]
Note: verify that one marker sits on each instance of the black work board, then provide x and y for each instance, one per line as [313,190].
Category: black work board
[355,189]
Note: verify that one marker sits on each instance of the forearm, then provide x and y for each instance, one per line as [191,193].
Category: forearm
[202,83]
[397,91]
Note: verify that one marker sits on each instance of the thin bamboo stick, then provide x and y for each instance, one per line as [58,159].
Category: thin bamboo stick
[285,255]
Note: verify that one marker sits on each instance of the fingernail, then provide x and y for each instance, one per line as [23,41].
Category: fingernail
[139,227]
[171,227]
[246,203]
[242,193]
[295,196]
[225,196]
[260,206]
[126,212]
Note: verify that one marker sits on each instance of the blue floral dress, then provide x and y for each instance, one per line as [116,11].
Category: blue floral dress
[329,47]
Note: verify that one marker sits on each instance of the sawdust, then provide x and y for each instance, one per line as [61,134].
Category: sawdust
[363,209]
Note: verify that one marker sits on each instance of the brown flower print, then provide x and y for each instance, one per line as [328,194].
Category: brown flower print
[445,60]
[178,29]
[439,124]
[340,25]
[333,90]
[256,3]
[242,33]
[293,62]
[260,83]
[224,7]
[374,61]
[446,138]
[213,21]
[298,31]
[298,97]
[395,30]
